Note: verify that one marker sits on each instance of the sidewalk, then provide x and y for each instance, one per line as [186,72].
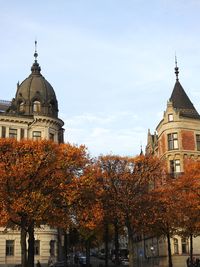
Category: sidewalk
[178,261]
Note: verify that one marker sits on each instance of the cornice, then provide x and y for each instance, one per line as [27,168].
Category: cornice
[45,119]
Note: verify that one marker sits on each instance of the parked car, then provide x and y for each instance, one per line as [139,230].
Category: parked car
[82,261]
[101,255]
[125,261]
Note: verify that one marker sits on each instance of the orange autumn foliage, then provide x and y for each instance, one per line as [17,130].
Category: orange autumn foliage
[127,183]
[86,205]
[187,188]
[31,178]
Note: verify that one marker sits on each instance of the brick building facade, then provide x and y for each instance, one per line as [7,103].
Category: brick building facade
[177,135]
[176,138]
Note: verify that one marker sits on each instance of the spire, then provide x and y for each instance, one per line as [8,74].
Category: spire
[35,67]
[180,100]
[141,151]
[176,69]
[35,54]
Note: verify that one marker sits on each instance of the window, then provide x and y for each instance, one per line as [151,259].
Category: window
[21,107]
[21,133]
[13,133]
[37,247]
[170,117]
[9,247]
[172,141]
[176,246]
[52,247]
[60,136]
[175,166]
[36,135]
[51,136]
[198,141]
[3,132]
[184,244]
[36,106]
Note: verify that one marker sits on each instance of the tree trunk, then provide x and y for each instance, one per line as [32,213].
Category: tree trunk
[191,247]
[106,244]
[87,245]
[31,242]
[66,248]
[170,264]
[117,261]
[23,247]
[130,245]
[60,245]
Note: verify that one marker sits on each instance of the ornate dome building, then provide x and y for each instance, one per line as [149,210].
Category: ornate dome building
[33,113]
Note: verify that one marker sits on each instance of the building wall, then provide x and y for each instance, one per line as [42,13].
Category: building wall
[186,130]
[45,125]
[43,234]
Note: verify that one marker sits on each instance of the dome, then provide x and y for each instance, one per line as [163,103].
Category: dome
[35,95]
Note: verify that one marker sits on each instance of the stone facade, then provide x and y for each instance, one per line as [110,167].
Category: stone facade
[10,250]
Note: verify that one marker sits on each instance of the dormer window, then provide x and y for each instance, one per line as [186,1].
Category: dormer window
[36,106]
[170,117]
[21,107]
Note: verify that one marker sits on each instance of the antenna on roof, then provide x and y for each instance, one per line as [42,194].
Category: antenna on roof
[176,68]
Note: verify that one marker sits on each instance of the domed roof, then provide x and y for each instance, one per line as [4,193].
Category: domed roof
[35,95]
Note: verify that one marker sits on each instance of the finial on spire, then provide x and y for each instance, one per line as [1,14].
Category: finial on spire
[35,67]
[141,151]
[35,54]
[176,68]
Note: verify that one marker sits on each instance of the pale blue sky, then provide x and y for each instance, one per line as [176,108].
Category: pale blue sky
[111,62]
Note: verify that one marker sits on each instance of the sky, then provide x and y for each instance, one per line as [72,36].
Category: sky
[110,62]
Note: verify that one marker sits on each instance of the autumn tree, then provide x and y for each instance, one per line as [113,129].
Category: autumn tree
[32,176]
[163,214]
[187,188]
[72,161]
[128,183]
[86,209]
[112,169]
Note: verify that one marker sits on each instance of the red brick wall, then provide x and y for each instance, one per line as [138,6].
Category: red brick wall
[188,141]
[162,145]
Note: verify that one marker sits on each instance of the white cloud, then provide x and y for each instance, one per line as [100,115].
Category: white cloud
[100,134]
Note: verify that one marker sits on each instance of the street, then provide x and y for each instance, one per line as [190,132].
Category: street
[178,261]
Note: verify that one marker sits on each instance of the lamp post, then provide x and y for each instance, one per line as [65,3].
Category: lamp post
[152,255]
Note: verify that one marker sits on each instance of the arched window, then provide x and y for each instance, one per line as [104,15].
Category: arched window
[36,106]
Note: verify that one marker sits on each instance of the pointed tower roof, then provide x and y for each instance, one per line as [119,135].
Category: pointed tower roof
[181,101]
